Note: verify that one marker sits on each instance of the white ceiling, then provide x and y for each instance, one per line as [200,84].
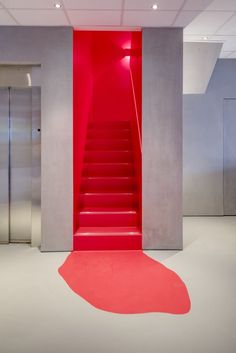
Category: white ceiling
[218,23]
[215,19]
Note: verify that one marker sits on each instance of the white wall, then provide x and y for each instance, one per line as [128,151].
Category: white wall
[203,142]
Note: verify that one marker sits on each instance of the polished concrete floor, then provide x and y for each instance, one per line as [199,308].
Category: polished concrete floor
[39,313]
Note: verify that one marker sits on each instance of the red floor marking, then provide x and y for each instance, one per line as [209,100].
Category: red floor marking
[125,282]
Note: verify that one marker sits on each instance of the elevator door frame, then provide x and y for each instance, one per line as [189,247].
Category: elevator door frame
[35,232]
[229,157]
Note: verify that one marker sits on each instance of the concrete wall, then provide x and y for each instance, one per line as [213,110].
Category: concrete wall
[162,138]
[203,142]
[51,48]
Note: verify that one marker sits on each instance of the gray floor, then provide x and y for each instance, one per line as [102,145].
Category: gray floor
[39,313]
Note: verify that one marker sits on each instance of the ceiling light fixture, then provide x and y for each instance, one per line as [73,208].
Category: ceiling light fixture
[205,38]
[154,7]
[58,5]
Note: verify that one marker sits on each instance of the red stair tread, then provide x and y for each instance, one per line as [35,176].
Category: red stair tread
[105,242]
[108,184]
[109,124]
[105,199]
[110,194]
[111,231]
[108,178]
[108,169]
[116,134]
[113,195]
[106,218]
[107,210]
[108,144]
[108,156]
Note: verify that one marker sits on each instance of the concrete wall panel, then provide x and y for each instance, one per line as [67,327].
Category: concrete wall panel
[203,142]
[51,47]
[162,138]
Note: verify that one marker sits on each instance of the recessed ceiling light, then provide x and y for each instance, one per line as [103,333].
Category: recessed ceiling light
[205,38]
[58,5]
[154,7]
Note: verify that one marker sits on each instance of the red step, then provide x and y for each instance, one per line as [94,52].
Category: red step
[108,144]
[109,124]
[92,217]
[108,156]
[125,199]
[112,231]
[108,169]
[109,134]
[108,238]
[107,184]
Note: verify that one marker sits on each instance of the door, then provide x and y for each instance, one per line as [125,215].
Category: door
[230,157]
[4,165]
[19,186]
[20,164]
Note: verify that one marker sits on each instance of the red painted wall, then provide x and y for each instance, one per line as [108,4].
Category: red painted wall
[112,89]
[103,89]
[136,70]
[83,81]
[136,80]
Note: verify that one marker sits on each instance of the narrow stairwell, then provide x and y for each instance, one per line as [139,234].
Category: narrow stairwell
[108,209]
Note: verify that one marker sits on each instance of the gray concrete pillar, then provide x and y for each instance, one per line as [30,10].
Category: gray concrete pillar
[162,138]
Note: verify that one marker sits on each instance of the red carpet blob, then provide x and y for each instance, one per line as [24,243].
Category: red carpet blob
[125,282]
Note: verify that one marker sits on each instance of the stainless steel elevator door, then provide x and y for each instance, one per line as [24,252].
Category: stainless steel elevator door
[20,177]
[20,164]
[4,164]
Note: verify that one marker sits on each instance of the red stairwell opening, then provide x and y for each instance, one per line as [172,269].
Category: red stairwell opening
[107,140]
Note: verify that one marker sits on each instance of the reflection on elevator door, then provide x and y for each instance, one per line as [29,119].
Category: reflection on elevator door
[20,165]
[19,119]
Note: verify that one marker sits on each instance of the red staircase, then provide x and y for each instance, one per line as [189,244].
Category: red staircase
[108,210]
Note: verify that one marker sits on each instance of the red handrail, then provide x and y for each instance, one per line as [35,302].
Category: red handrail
[136,110]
